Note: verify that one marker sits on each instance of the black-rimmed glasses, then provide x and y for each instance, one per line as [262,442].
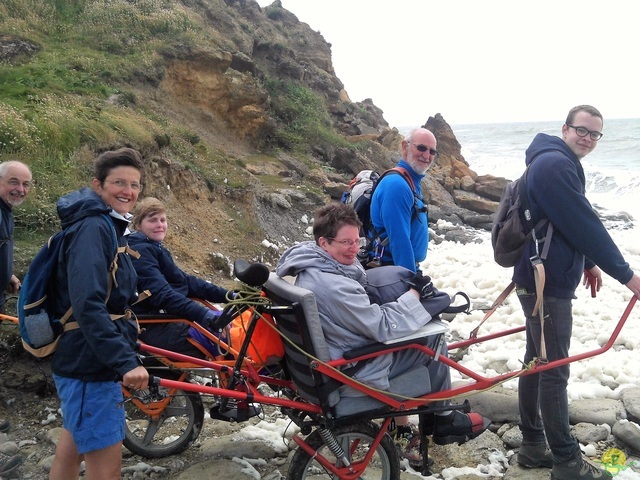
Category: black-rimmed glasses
[361,242]
[423,148]
[583,132]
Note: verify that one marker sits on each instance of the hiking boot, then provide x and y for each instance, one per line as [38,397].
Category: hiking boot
[577,469]
[458,427]
[535,456]
[9,468]
[4,425]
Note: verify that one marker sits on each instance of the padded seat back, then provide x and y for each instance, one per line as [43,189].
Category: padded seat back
[298,321]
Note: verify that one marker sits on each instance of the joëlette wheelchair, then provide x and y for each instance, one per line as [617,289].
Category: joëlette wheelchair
[340,437]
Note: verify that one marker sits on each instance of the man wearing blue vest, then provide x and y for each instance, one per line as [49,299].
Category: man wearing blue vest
[399,214]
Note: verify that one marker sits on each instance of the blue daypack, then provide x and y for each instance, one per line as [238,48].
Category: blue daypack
[39,329]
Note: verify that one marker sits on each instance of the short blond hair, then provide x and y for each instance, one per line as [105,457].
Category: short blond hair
[146,207]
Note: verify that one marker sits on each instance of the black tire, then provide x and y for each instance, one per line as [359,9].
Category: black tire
[147,436]
[384,465]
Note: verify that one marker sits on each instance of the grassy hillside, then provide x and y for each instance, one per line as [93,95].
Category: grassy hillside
[74,81]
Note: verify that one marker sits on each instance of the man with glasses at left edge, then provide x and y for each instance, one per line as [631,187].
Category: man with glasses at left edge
[15,184]
[399,213]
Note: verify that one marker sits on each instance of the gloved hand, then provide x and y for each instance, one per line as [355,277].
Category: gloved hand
[422,284]
[210,318]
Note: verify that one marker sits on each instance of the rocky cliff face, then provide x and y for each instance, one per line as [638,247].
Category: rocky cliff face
[218,90]
[226,83]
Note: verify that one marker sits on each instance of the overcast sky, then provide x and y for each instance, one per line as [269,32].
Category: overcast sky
[482,61]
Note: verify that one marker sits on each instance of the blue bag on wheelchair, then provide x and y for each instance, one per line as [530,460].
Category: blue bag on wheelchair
[387,283]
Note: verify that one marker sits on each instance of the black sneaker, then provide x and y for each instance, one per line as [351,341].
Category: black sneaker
[458,427]
[578,469]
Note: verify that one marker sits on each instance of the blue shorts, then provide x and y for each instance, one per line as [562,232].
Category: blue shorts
[92,412]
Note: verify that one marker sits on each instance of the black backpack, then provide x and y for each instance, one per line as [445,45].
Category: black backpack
[512,224]
[359,194]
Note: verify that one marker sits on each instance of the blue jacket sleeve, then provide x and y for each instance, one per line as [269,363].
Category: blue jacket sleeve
[170,287]
[199,288]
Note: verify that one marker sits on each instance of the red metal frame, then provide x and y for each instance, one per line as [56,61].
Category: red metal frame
[329,369]
[353,471]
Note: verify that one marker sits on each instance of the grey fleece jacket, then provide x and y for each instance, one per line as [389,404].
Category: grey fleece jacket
[349,319]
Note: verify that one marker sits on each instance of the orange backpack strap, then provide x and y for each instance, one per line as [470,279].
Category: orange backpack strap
[405,173]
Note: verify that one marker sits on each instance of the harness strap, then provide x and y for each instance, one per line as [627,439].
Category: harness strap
[351,369]
[501,298]
[464,308]
[547,241]
[111,280]
[539,276]
[142,296]
[74,325]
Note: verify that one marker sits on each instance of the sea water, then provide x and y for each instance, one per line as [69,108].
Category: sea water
[612,169]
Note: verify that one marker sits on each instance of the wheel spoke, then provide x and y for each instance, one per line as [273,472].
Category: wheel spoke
[356,440]
[150,432]
[170,431]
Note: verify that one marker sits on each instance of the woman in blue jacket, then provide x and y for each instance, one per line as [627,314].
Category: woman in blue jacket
[171,288]
[91,360]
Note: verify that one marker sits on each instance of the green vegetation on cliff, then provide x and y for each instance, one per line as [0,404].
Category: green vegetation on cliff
[70,84]
[60,105]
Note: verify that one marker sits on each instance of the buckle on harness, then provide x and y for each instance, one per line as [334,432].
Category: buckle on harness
[377,252]
[535,260]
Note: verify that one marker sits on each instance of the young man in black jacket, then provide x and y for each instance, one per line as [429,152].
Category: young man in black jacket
[556,189]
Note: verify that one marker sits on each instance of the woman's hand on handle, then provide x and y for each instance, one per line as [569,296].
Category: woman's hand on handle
[136,379]
[634,285]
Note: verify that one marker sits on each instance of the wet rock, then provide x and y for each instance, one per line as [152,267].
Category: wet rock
[629,433]
[595,411]
[631,401]
[589,433]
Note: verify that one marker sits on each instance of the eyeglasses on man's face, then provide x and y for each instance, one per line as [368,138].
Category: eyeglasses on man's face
[14,183]
[583,132]
[423,148]
[124,184]
[360,242]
